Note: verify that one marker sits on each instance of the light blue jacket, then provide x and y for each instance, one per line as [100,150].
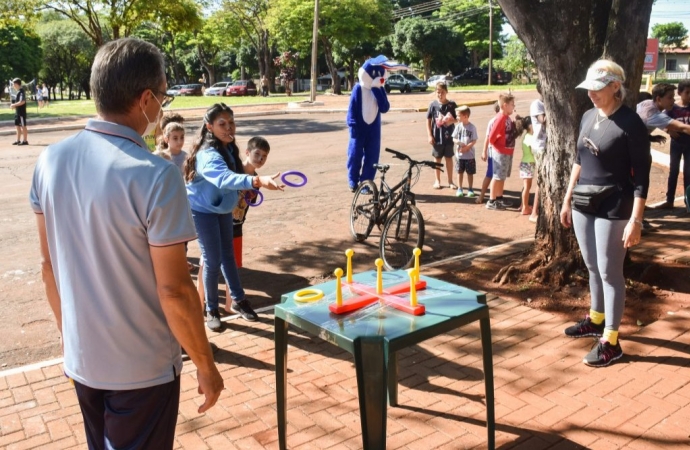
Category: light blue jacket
[215,187]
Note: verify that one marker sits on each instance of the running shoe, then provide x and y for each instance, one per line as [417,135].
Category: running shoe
[459,193]
[603,354]
[585,328]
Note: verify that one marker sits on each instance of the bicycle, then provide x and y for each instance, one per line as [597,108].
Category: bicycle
[394,209]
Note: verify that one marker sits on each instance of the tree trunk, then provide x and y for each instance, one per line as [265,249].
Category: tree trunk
[205,61]
[427,67]
[568,37]
[173,59]
[352,74]
[332,68]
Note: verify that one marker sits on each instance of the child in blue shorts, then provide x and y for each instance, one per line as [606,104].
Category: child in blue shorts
[486,156]
[464,137]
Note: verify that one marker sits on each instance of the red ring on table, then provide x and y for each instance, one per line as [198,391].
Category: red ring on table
[248,199]
[295,173]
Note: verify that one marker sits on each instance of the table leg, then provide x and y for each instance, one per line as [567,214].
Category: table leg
[281,334]
[487,354]
[370,364]
[393,379]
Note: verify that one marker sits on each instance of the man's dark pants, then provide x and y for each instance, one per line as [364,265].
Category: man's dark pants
[134,419]
[678,151]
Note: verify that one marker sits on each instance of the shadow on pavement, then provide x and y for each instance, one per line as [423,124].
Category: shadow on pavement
[282,127]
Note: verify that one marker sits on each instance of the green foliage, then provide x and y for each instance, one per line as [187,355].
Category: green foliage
[471,20]
[516,59]
[671,34]
[420,40]
[345,27]
[20,53]
[68,54]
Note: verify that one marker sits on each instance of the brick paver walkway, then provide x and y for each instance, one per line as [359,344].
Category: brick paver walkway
[545,396]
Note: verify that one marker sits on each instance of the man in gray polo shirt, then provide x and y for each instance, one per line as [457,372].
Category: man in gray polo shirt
[113,220]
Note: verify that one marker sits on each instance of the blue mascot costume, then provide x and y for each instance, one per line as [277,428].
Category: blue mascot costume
[367,102]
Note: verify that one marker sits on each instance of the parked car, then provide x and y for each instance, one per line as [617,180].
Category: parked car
[242,87]
[405,82]
[190,89]
[174,90]
[431,82]
[218,89]
[476,76]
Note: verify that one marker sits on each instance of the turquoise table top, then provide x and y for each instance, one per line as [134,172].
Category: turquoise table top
[447,305]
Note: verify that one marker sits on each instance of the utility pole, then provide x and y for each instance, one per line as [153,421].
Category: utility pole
[491,39]
[314,50]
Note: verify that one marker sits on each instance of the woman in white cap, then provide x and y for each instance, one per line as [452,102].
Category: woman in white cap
[608,187]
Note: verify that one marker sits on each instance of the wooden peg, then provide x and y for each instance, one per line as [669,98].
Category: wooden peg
[349,252]
[416,252]
[379,276]
[413,287]
[338,286]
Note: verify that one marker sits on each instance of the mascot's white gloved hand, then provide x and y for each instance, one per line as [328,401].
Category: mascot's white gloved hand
[378,82]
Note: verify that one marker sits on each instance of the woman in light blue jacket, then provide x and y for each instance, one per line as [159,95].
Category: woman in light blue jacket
[214,177]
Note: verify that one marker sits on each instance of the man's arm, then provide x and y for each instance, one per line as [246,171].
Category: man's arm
[677,126]
[180,303]
[49,283]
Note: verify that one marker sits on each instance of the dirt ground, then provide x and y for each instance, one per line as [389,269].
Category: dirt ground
[298,237]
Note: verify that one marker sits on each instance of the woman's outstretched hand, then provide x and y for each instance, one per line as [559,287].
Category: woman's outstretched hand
[271,183]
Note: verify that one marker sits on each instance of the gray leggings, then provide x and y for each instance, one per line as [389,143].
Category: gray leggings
[601,243]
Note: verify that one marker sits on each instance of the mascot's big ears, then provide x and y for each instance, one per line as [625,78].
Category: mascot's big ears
[373,71]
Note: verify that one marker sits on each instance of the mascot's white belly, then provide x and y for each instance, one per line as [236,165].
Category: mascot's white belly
[370,107]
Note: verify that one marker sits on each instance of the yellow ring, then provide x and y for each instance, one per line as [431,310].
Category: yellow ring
[308,295]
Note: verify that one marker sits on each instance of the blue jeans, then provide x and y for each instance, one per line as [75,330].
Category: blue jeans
[215,240]
[678,151]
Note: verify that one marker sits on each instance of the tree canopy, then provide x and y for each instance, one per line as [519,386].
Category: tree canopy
[20,53]
[470,19]
[671,34]
[419,40]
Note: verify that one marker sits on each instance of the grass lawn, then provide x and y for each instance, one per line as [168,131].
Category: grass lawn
[65,108]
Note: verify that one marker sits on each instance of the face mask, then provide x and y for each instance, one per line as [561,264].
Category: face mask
[151,126]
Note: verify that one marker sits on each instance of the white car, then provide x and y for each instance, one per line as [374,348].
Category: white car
[174,90]
[431,82]
[218,89]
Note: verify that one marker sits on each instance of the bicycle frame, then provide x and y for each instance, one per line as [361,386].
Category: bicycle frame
[391,197]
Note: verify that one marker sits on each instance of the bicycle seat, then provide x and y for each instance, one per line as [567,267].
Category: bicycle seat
[382,167]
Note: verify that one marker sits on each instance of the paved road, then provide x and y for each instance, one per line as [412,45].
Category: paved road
[293,238]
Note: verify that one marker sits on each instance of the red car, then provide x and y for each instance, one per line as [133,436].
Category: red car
[242,87]
[190,89]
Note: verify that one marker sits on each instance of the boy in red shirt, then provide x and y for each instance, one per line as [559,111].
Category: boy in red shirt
[502,139]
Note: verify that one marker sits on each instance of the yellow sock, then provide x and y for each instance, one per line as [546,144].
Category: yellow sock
[611,336]
[597,318]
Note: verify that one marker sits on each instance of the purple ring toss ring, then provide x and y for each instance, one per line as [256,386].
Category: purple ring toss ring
[294,173]
[248,199]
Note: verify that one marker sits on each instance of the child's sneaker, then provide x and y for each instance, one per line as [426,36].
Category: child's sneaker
[470,193]
[585,328]
[603,354]
[496,205]
[459,193]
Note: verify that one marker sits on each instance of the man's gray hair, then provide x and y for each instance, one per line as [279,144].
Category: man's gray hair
[122,70]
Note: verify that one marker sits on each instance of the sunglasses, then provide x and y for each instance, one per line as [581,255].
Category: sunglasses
[590,145]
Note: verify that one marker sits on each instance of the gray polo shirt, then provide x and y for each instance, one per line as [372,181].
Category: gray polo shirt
[105,199]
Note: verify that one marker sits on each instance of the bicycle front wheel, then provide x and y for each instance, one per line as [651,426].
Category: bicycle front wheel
[363,210]
[402,233]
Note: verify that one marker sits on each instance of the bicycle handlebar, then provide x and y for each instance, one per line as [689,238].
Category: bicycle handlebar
[404,157]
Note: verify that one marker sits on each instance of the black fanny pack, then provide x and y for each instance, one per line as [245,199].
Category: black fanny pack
[587,198]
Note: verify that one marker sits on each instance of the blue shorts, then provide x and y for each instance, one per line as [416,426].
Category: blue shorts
[489,167]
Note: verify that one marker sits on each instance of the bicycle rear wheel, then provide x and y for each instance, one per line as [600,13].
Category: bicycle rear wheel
[402,233]
[363,210]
